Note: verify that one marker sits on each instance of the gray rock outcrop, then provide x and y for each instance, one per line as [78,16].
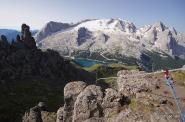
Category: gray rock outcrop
[111,102]
[34,115]
[60,114]
[132,82]
[134,100]
[39,114]
[88,104]
[48,116]
[71,91]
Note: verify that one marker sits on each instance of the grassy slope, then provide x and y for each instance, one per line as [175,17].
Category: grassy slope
[165,61]
[19,97]
[179,78]
[113,66]
[110,70]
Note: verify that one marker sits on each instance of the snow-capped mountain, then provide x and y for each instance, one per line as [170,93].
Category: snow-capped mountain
[112,36]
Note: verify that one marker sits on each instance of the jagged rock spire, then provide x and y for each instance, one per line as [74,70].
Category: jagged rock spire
[26,36]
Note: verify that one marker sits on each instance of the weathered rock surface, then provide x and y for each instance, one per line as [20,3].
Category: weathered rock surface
[88,104]
[132,82]
[132,116]
[48,116]
[111,102]
[60,114]
[37,114]
[135,100]
[94,119]
[34,115]
[71,91]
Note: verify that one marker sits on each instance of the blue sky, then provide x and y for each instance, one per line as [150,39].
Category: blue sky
[141,12]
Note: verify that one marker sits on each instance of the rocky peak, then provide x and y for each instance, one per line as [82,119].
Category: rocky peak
[50,28]
[125,26]
[128,26]
[26,37]
[25,31]
[159,26]
[173,30]
[55,26]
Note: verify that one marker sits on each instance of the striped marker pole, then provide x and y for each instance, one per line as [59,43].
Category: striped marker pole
[169,82]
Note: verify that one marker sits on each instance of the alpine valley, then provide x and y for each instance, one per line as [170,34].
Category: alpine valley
[151,47]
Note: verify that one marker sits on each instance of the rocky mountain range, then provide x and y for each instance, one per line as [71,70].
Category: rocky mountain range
[29,75]
[112,37]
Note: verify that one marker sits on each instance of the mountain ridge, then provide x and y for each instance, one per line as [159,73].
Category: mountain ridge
[115,38]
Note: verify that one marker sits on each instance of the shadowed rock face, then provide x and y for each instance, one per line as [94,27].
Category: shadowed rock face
[22,63]
[27,37]
[34,115]
[22,60]
[38,114]
[83,35]
[50,28]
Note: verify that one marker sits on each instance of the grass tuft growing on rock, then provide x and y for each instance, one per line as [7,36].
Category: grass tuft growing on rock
[139,106]
[179,78]
[113,114]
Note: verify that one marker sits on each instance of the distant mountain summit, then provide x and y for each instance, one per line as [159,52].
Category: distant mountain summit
[50,28]
[11,33]
[114,38]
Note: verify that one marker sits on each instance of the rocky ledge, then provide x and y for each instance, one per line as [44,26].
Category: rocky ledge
[136,99]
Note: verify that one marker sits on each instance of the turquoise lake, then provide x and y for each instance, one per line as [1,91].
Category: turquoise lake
[86,62]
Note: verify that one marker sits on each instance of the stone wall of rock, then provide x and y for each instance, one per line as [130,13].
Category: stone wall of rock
[132,101]
[71,91]
[132,82]
[88,104]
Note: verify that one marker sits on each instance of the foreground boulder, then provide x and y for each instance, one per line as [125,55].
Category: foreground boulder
[132,82]
[88,104]
[34,115]
[39,114]
[111,102]
[136,99]
[71,91]
[60,114]
[48,116]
